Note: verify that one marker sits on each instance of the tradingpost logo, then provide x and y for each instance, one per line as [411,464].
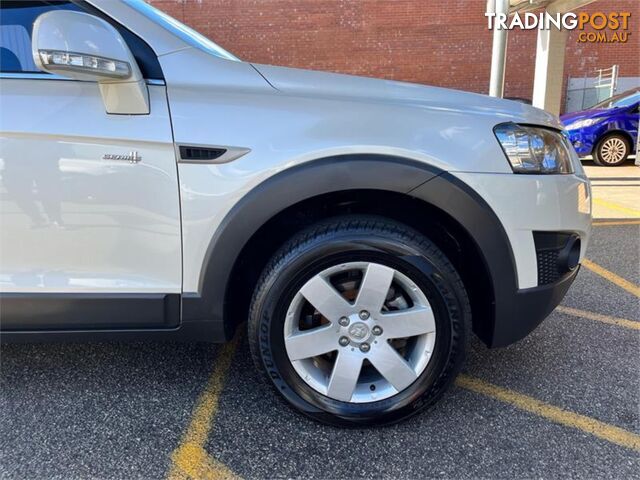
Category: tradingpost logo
[597,27]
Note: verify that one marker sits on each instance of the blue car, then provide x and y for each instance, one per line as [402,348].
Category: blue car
[608,131]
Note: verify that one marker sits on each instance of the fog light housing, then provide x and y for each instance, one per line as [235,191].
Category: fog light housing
[557,254]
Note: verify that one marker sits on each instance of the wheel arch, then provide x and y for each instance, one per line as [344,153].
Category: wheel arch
[295,198]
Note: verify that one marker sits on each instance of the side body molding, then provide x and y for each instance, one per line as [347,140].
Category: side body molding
[304,181]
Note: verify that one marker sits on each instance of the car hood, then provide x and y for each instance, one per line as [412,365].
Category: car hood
[568,118]
[332,85]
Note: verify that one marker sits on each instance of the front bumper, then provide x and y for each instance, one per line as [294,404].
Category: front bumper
[583,142]
[528,308]
[526,205]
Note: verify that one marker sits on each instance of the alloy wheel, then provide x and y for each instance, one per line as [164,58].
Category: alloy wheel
[359,332]
[613,150]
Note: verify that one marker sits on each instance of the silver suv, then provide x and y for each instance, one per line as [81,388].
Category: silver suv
[154,186]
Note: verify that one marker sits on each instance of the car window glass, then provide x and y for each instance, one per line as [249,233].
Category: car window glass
[16,23]
[625,102]
[16,54]
[618,101]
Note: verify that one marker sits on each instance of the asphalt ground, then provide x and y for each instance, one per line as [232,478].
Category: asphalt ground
[616,189]
[562,403]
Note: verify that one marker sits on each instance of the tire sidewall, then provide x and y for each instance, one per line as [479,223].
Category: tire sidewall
[413,260]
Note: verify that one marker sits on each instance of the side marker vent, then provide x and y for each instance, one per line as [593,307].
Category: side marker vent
[195,154]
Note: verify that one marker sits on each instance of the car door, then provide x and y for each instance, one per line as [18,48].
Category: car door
[89,202]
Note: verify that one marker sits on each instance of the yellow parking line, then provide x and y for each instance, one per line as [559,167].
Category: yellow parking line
[620,322]
[586,424]
[617,207]
[610,224]
[612,277]
[190,459]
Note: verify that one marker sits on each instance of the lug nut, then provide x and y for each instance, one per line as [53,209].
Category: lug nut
[344,341]
[365,347]
[344,321]
[364,314]
[376,330]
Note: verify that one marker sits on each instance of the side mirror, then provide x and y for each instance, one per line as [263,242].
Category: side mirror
[84,47]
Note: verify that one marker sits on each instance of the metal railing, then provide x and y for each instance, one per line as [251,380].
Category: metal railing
[585,92]
[606,82]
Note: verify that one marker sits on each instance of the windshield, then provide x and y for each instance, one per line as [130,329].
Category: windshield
[179,29]
[617,101]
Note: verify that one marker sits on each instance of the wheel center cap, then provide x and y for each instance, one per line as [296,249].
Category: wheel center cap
[358,331]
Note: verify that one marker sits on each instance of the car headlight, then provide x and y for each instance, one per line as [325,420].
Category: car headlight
[585,122]
[534,149]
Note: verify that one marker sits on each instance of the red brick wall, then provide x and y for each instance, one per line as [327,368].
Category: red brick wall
[436,43]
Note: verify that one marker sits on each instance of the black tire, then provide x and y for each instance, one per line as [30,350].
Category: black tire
[600,152]
[359,238]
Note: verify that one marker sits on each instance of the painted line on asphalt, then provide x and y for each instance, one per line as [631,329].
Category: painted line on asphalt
[598,317]
[612,277]
[616,223]
[617,207]
[190,459]
[586,424]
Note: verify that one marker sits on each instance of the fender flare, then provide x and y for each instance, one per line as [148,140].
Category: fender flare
[334,174]
[451,195]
